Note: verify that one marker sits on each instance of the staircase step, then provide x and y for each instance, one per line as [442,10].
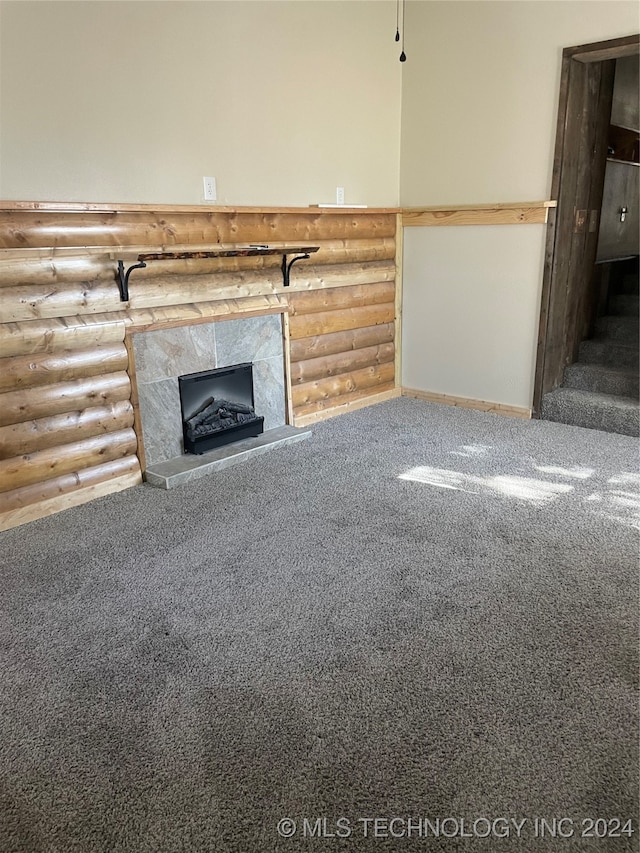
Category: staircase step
[629,283]
[619,328]
[617,355]
[602,380]
[591,410]
[626,304]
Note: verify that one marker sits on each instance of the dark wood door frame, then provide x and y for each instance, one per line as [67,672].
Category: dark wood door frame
[586,90]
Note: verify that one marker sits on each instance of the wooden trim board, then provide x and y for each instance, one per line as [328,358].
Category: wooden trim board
[135,400]
[468,403]
[286,337]
[508,213]
[398,302]
[100,207]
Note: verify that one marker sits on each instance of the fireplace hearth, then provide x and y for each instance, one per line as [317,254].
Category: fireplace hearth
[218,407]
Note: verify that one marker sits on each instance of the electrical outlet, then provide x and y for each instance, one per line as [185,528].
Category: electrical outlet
[209,189]
[339,195]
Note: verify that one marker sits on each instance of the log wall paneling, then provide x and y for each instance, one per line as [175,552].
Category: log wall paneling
[324,322]
[23,505]
[51,335]
[339,298]
[148,319]
[43,433]
[342,362]
[64,459]
[66,484]
[24,371]
[68,427]
[337,342]
[37,301]
[342,345]
[333,387]
[312,412]
[34,229]
[64,410]
[21,406]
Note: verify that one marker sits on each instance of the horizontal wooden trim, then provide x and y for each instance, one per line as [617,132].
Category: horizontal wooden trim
[468,403]
[43,508]
[113,207]
[342,408]
[508,213]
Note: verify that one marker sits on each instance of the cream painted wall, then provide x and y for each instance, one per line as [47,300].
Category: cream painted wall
[136,101]
[471,303]
[480,100]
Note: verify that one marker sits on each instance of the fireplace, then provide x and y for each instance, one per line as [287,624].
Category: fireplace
[218,407]
[163,357]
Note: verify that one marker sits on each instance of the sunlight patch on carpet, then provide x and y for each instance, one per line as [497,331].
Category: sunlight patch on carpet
[577,472]
[522,488]
[471,450]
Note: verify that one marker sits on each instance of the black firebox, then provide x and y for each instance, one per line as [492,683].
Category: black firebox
[218,407]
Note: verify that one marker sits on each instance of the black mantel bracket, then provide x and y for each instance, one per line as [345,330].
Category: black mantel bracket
[123,278]
[302,253]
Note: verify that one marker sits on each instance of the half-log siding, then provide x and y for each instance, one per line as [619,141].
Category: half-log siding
[67,387]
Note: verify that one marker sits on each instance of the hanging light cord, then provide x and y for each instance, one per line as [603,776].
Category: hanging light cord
[403,55]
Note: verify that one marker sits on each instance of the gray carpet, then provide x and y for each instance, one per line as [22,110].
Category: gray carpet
[420,613]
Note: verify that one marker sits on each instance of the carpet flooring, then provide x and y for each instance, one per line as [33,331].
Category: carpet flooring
[422,615]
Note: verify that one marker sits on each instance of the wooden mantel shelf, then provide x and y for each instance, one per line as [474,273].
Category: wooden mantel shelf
[240,252]
[301,253]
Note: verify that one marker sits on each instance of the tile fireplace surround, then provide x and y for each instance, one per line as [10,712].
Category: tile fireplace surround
[163,355]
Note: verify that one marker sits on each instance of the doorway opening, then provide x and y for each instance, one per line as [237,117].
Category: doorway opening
[572,289]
